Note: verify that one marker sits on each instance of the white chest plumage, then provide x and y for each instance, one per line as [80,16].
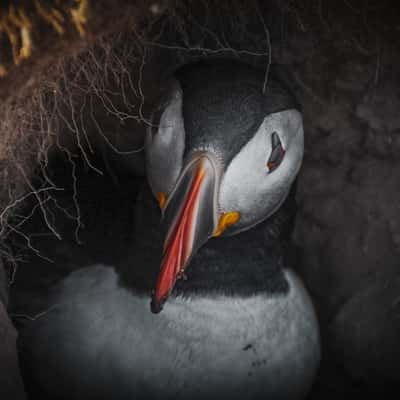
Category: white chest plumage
[101,336]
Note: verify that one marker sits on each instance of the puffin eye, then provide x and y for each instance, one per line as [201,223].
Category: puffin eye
[277,153]
[155,121]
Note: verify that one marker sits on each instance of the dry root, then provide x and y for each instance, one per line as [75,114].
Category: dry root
[77,108]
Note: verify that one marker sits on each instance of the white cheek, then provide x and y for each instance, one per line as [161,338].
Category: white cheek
[164,151]
[247,186]
[244,179]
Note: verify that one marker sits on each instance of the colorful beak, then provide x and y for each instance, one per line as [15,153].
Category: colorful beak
[191,216]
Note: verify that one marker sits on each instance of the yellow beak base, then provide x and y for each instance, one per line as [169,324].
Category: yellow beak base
[161,198]
[226,220]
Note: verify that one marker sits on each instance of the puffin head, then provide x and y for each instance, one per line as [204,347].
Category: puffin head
[222,154]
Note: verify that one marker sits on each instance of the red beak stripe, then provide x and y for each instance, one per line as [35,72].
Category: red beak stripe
[177,247]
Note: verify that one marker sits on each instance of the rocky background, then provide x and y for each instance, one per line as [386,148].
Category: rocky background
[80,78]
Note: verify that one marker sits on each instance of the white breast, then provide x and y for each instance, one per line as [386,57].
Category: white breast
[101,336]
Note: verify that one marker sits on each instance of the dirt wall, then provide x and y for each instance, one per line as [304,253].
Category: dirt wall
[87,90]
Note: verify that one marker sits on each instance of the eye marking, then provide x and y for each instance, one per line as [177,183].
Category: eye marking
[155,120]
[277,153]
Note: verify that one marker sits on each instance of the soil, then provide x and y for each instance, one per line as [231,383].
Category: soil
[341,60]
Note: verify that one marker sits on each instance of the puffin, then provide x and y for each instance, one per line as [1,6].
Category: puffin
[209,306]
